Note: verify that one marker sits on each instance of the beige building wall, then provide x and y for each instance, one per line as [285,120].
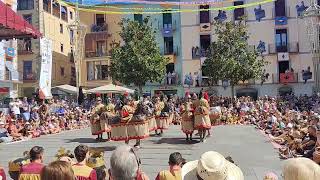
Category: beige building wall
[264,30]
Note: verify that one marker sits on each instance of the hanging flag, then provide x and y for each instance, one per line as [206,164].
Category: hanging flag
[2,63]
[46,68]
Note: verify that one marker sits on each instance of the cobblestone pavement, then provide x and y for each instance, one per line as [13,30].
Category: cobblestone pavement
[247,146]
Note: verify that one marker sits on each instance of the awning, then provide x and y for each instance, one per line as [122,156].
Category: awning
[110,88]
[68,89]
[13,25]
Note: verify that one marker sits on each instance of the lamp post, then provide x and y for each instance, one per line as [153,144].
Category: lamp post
[78,31]
[311,18]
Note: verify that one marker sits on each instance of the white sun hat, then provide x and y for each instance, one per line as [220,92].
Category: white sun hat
[211,166]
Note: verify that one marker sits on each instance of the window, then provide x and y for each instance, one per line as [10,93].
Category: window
[205,41]
[73,72]
[238,13]
[64,13]
[47,5]
[100,21]
[98,70]
[61,47]
[27,70]
[280,8]
[62,71]
[28,18]
[168,45]
[71,15]
[27,45]
[204,14]
[167,19]
[138,18]
[61,28]
[25,4]
[101,48]
[281,40]
[71,36]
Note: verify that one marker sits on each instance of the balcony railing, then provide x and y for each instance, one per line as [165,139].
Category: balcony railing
[97,53]
[11,76]
[99,28]
[29,77]
[292,47]
[198,53]
[171,51]
[285,78]
[25,48]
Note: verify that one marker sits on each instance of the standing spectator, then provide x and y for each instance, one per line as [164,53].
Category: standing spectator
[58,170]
[80,169]
[32,170]
[175,163]
[25,109]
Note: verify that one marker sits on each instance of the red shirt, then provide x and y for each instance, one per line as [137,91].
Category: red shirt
[31,171]
[2,174]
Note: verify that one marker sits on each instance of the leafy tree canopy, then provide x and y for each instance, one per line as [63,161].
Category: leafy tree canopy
[138,59]
[229,56]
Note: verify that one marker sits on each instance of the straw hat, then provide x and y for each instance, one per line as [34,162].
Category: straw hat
[211,166]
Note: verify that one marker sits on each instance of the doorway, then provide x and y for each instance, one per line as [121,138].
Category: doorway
[283,66]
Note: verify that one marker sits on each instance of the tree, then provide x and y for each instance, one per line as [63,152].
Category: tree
[138,60]
[230,58]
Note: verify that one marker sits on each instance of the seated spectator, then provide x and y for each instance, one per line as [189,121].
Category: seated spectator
[300,169]
[211,166]
[125,165]
[58,170]
[4,135]
[32,170]
[81,170]
[175,163]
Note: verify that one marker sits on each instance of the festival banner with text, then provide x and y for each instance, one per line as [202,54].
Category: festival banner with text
[2,62]
[46,68]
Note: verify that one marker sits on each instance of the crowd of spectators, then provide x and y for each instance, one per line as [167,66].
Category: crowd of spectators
[125,164]
[30,119]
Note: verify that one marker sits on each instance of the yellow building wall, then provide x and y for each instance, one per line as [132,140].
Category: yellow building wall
[88,19]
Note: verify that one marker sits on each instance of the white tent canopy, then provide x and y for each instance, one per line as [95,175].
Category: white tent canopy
[110,88]
[67,88]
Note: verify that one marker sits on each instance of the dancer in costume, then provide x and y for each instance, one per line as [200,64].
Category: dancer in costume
[159,105]
[187,123]
[108,113]
[95,119]
[201,115]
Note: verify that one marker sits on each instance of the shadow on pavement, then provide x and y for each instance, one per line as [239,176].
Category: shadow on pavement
[174,141]
[104,148]
[82,140]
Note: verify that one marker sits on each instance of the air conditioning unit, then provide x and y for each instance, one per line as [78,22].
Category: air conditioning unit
[204,27]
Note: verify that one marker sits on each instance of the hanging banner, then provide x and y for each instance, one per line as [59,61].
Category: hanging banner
[2,63]
[46,68]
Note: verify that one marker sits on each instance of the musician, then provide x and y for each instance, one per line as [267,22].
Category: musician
[95,119]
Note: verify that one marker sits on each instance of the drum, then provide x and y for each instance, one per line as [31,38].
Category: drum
[152,124]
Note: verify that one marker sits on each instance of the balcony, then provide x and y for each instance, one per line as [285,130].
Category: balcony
[168,29]
[198,53]
[97,53]
[29,77]
[285,78]
[99,27]
[171,54]
[12,76]
[24,47]
[96,44]
[292,47]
